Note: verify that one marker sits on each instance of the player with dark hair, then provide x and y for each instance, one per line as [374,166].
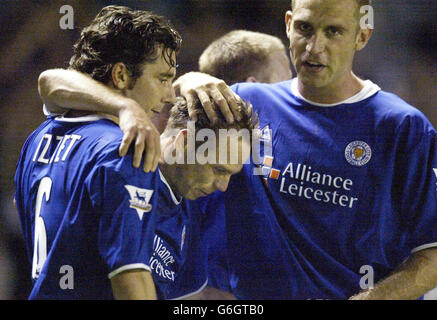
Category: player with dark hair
[145,39]
[77,199]
[350,178]
[176,234]
[89,209]
[97,50]
[254,57]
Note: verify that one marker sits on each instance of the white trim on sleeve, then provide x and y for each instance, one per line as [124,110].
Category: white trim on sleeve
[424,246]
[192,293]
[89,118]
[128,267]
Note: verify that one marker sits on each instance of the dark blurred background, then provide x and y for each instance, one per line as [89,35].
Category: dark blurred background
[401,57]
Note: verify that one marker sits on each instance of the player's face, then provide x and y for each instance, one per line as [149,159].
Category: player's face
[322,36]
[196,180]
[154,87]
[201,180]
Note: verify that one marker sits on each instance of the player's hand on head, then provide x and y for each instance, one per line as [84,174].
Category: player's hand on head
[208,89]
[139,130]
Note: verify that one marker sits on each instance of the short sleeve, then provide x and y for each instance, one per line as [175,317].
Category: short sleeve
[420,193]
[215,229]
[121,195]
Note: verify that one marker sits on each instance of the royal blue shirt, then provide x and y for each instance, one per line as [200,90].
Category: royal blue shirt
[347,190]
[87,214]
[83,209]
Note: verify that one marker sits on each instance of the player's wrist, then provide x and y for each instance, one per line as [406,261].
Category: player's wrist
[127,105]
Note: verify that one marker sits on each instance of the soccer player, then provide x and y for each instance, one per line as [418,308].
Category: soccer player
[252,56]
[237,56]
[351,186]
[351,199]
[178,256]
[83,209]
[77,159]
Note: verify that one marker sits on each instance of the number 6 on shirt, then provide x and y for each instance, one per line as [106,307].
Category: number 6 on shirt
[40,242]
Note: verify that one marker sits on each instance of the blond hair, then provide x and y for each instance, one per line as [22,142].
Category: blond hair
[360,3]
[238,55]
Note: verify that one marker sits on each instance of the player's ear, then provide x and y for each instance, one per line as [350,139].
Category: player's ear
[288,16]
[180,143]
[363,38]
[120,76]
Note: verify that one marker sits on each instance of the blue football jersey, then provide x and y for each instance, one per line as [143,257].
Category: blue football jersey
[347,192]
[213,207]
[176,246]
[84,210]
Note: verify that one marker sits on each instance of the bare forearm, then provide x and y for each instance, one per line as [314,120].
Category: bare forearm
[69,89]
[62,90]
[411,280]
[134,285]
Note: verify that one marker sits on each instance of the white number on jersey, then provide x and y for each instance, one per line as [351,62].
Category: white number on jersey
[40,242]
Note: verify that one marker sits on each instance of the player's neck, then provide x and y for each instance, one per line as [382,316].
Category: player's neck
[341,91]
[170,173]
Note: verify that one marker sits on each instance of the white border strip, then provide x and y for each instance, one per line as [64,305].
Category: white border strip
[175,200]
[81,119]
[128,267]
[425,246]
[192,293]
[48,113]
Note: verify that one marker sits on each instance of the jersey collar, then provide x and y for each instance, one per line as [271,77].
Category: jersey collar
[174,198]
[368,90]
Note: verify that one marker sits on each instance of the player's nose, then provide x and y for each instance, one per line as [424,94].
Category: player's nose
[169,95]
[316,44]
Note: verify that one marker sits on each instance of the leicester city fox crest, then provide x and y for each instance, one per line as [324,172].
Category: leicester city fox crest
[358,153]
[139,199]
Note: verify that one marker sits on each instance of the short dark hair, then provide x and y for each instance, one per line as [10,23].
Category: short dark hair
[179,117]
[120,34]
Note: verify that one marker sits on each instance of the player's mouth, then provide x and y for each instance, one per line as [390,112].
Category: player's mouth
[313,66]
